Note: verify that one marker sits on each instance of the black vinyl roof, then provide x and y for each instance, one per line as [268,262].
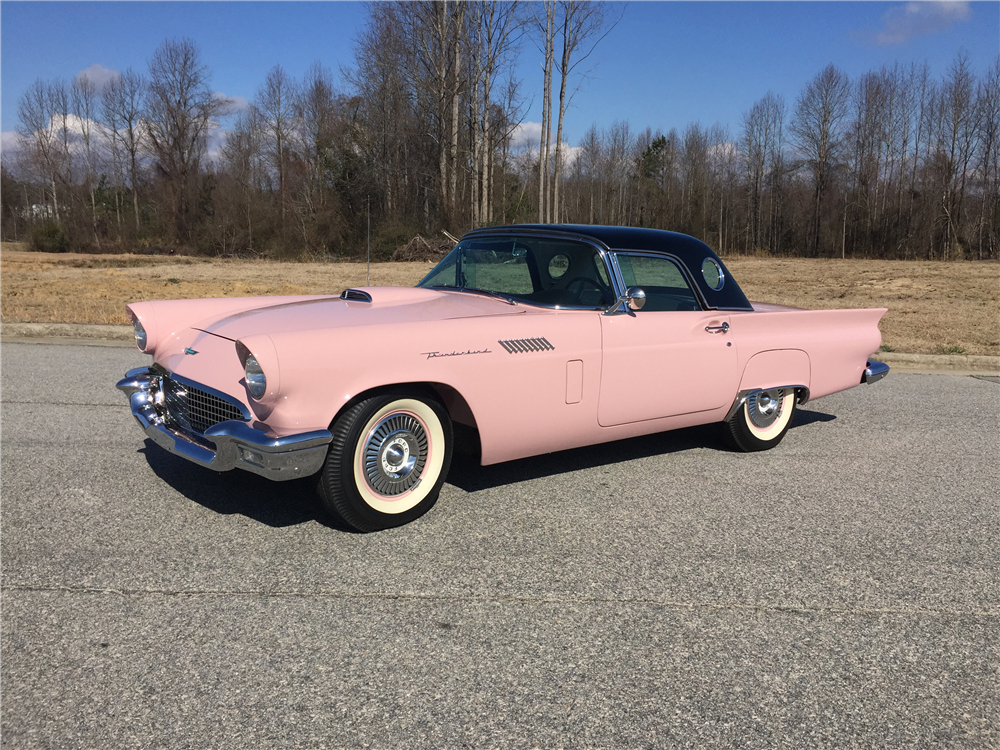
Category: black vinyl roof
[690,251]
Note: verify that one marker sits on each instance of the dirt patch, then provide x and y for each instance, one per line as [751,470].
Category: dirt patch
[934,307]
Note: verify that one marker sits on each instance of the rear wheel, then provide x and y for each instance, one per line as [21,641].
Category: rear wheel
[387,461]
[763,420]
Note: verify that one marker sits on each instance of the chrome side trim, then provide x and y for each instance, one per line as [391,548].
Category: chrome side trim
[355,295]
[237,445]
[801,392]
[874,372]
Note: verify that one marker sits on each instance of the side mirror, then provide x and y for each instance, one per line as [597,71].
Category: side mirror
[635,298]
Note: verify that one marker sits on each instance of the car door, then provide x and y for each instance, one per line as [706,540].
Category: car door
[672,357]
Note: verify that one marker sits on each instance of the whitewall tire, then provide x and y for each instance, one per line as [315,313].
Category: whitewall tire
[387,461]
[762,420]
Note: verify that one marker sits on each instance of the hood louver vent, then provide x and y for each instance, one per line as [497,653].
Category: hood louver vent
[521,346]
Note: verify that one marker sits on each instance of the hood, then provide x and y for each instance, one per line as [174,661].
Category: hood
[389,305]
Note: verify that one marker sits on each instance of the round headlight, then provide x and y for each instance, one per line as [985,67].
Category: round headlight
[140,335]
[256,382]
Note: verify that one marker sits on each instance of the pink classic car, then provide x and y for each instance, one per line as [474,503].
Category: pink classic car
[523,340]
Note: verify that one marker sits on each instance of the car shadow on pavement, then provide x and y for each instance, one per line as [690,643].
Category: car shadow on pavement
[276,504]
[280,504]
[468,475]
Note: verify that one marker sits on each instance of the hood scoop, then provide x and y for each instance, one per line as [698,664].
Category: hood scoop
[356,295]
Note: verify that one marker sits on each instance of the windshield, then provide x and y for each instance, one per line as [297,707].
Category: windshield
[536,270]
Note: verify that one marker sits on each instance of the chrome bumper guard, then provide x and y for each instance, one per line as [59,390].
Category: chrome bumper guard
[237,444]
[874,372]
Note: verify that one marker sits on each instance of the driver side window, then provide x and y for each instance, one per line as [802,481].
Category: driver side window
[666,288]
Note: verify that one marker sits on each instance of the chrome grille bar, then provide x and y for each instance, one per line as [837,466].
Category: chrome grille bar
[192,407]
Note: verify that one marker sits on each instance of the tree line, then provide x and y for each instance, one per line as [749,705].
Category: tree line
[423,133]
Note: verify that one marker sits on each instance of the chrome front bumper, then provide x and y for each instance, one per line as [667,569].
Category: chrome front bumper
[227,445]
[874,372]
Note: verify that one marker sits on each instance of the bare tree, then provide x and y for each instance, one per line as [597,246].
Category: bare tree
[38,138]
[494,29]
[547,28]
[761,139]
[123,103]
[275,109]
[817,127]
[988,163]
[582,25]
[317,120]
[384,81]
[244,155]
[179,111]
[84,94]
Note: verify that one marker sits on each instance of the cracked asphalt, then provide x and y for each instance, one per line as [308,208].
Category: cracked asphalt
[839,591]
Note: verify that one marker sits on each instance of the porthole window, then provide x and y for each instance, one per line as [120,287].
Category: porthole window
[713,274]
[558,265]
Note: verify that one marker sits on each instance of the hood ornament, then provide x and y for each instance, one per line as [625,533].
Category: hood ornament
[189,350]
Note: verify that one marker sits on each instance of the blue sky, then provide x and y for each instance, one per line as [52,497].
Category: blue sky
[665,65]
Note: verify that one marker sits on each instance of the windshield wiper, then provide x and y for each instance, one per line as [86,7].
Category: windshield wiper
[475,290]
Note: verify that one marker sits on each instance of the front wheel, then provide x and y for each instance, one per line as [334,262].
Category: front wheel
[763,420]
[387,461]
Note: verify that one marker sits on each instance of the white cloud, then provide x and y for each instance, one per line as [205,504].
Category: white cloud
[526,135]
[570,154]
[236,104]
[8,143]
[903,22]
[215,141]
[99,76]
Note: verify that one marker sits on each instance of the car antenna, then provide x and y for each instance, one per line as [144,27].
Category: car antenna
[369,281]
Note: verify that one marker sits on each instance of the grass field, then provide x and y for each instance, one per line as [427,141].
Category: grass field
[934,307]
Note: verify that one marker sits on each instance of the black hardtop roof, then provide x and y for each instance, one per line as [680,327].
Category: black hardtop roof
[685,247]
[691,251]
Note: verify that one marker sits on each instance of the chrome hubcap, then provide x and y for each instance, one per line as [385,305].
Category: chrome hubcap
[394,455]
[764,407]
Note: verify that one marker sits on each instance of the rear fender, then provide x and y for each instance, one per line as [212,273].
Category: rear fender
[776,368]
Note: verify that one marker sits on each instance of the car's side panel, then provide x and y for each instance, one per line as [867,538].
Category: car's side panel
[664,364]
[517,393]
[776,368]
[837,342]
[538,392]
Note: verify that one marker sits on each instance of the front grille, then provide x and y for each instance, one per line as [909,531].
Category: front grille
[194,409]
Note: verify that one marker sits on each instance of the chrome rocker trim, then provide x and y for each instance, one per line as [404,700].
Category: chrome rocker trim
[801,392]
[237,444]
[874,372]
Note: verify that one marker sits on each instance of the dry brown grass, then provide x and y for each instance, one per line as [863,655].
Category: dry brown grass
[934,307]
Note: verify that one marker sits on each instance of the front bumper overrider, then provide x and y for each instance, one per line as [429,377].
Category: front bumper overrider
[231,444]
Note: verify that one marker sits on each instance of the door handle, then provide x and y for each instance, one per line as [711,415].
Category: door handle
[724,328]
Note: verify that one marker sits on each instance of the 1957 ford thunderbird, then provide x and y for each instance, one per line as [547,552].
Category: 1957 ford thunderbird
[526,339]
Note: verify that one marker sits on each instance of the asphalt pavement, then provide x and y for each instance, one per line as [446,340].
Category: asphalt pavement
[839,591]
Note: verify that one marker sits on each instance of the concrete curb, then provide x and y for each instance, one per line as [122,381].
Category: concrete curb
[949,363]
[953,364]
[66,331]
